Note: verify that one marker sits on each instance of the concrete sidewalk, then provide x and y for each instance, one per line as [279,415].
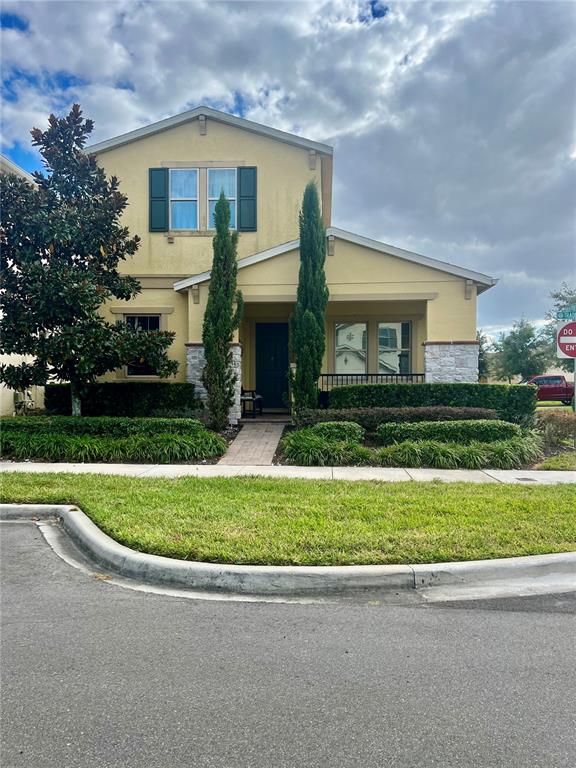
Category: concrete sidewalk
[508,476]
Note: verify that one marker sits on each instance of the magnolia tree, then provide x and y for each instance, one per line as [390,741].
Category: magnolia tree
[307,329]
[222,317]
[63,242]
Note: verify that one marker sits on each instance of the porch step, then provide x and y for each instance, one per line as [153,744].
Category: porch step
[271,418]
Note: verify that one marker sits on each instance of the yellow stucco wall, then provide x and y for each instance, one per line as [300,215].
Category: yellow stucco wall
[283,172]
[173,310]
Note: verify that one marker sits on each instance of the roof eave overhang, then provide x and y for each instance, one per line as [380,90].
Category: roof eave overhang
[481,281]
[212,114]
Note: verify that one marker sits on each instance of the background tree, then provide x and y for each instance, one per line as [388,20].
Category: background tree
[222,317]
[483,349]
[62,243]
[561,299]
[307,325]
[522,352]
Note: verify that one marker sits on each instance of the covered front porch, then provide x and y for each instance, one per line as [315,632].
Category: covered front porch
[366,342]
[392,316]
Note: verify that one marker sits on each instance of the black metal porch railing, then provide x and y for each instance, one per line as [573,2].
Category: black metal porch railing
[330,380]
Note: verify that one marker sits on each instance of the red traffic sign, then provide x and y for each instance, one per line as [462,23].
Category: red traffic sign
[566,340]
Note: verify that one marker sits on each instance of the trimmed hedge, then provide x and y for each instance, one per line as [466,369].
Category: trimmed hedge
[157,449]
[340,430]
[513,403]
[371,418]
[133,398]
[110,426]
[462,432]
[306,448]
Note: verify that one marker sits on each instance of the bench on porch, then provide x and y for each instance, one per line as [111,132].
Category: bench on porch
[251,396]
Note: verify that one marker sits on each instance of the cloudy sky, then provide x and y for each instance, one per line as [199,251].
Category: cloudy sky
[453,123]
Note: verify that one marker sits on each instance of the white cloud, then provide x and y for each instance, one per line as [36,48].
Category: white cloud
[453,122]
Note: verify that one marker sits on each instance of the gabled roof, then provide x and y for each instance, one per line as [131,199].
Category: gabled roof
[9,166]
[482,281]
[213,114]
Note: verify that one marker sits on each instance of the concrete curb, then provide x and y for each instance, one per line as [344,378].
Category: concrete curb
[285,580]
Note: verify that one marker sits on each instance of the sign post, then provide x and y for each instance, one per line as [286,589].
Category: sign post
[566,340]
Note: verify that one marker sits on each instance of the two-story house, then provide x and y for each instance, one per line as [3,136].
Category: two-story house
[392,314]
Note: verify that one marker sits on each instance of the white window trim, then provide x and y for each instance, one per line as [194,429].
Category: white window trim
[183,200]
[230,199]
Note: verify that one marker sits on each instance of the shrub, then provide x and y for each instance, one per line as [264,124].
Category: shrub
[100,425]
[461,432]
[159,449]
[133,398]
[502,454]
[513,403]
[347,431]
[440,455]
[308,449]
[371,418]
[402,455]
[556,426]
[474,456]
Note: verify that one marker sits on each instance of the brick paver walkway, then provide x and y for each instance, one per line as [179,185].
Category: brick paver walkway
[255,445]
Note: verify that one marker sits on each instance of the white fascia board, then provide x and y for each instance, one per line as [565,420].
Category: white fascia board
[247,261]
[9,166]
[213,114]
[443,266]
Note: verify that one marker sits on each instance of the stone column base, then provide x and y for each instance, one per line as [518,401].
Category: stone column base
[236,410]
[451,361]
[195,362]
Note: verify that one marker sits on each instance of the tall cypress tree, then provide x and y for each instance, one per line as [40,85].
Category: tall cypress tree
[221,319]
[308,336]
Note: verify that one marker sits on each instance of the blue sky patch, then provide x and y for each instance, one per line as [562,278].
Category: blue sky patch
[375,9]
[13,21]
[29,159]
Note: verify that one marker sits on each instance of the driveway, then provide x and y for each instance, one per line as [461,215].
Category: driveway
[100,676]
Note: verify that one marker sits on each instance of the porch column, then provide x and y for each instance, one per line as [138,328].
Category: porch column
[451,361]
[451,349]
[195,354]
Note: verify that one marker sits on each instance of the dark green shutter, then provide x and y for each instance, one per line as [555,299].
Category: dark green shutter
[158,199]
[247,199]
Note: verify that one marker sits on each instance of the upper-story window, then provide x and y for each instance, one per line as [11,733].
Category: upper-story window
[183,198]
[221,180]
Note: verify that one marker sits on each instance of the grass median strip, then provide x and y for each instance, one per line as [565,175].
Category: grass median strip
[303,522]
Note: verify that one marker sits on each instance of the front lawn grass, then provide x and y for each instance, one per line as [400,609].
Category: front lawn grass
[557,404]
[565,461]
[304,522]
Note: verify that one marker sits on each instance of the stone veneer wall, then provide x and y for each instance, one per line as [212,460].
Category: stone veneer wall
[195,361]
[453,361]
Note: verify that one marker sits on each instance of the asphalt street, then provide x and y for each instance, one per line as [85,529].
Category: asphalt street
[95,675]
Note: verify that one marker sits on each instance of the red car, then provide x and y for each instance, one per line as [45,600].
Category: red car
[553,388]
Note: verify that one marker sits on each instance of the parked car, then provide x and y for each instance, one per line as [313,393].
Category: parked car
[553,388]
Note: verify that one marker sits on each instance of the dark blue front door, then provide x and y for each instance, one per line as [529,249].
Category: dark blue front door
[272,362]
